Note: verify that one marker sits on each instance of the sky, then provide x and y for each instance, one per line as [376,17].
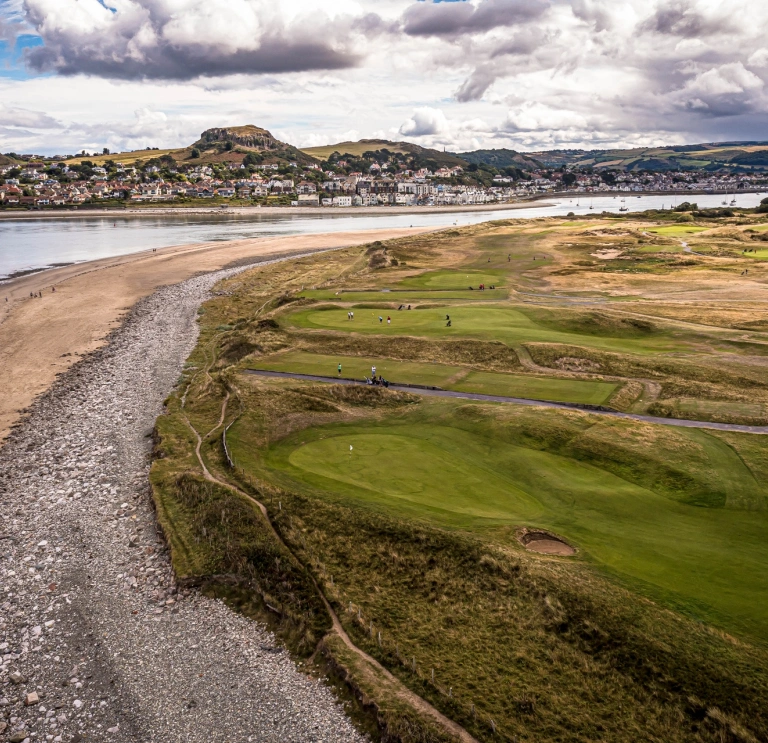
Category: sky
[453,74]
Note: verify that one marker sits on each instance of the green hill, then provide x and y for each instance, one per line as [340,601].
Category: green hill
[502,158]
[742,156]
[357,149]
[220,144]
[5,161]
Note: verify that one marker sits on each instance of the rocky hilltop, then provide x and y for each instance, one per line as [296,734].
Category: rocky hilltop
[244,136]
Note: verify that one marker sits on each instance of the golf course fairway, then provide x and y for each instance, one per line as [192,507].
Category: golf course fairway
[498,323]
[590,392]
[708,561]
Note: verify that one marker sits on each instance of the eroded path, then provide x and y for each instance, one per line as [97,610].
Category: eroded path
[370,666]
[94,633]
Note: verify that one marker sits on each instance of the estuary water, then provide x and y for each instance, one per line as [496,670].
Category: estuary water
[36,244]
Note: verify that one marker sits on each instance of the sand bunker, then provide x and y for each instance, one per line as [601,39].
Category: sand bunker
[546,544]
[607,254]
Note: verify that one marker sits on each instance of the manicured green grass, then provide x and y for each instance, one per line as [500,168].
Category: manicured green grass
[443,375]
[403,296]
[354,367]
[446,279]
[498,323]
[677,230]
[709,561]
[536,388]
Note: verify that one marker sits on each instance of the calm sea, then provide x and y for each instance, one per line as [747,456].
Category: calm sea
[34,244]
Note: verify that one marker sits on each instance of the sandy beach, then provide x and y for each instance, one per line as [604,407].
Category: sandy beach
[41,338]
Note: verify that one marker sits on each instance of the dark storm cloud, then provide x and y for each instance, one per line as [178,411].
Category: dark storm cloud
[476,85]
[153,39]
[188,62]
[455,18]
[682,18]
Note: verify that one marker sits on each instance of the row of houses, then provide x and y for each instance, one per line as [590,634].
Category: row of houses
[352,190]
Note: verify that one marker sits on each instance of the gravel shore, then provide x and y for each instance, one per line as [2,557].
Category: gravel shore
[96,641]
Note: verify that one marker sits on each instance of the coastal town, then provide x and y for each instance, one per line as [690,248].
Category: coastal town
[36,183]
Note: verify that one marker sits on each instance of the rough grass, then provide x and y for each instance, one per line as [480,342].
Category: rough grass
[706,379]
[223,543]
[482,354]
[542,650]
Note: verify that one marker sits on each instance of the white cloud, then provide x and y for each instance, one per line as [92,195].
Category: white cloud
[485,73]
[22,117]
[758,58]
[425,121]
[531,117]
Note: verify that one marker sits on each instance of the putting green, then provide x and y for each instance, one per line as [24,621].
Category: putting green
[448,377]
[506,324]
[712,562]
[453,279]
[675,230]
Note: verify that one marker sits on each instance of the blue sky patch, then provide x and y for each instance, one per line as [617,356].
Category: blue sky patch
[12,57]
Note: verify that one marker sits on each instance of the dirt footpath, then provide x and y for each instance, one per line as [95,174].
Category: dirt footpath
[40,338]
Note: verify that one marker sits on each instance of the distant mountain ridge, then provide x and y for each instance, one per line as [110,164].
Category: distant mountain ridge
[746,155]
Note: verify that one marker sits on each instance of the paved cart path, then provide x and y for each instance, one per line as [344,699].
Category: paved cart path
[437,392]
